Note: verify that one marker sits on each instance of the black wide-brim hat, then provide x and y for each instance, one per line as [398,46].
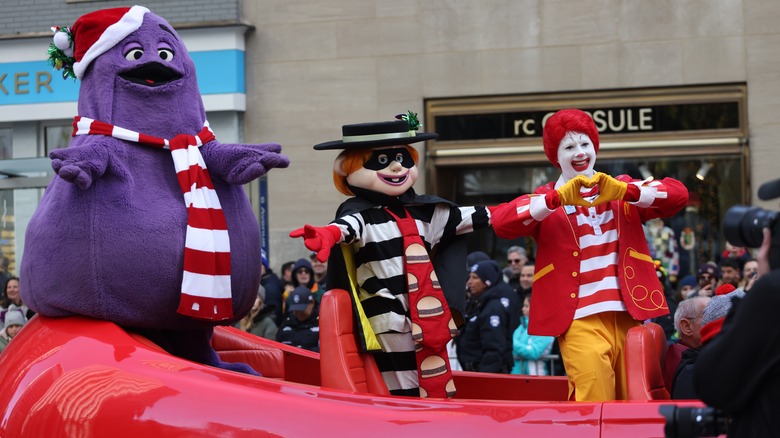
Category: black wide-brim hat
[371,135]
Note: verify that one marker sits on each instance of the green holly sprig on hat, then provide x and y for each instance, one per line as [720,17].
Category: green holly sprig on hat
[61,51]
[411,118]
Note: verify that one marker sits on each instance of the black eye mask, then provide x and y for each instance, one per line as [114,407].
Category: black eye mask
[381,158]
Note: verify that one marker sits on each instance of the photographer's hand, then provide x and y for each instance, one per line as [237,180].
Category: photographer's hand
[750,281]
[763,253]
[706,291]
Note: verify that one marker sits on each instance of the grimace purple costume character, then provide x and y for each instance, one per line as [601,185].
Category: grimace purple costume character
[146,223]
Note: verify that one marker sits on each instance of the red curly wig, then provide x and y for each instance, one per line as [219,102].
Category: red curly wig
[564,121]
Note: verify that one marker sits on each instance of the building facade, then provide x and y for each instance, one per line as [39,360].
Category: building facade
[676,87]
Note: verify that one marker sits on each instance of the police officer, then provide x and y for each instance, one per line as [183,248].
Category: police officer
[300,327]
[486,342]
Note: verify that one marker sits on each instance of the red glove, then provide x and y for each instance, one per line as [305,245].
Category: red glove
[632,193]
[319,239]
[552,199]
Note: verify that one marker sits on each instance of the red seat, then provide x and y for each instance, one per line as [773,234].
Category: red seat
[342,365]
[644,356]
[271,359]
[660,340]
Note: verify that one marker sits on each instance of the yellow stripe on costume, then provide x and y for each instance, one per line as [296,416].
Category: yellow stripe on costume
[638,255]
[544,271]
[368,333]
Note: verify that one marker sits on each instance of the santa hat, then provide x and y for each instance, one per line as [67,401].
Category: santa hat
[92,35]
[563,121]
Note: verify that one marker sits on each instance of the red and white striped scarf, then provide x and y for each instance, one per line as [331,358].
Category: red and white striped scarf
[205,286]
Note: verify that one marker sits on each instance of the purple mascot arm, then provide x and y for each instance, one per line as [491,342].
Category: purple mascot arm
[241,163]
[80,165]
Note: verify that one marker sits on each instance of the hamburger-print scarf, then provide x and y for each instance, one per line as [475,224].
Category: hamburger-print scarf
[205,289]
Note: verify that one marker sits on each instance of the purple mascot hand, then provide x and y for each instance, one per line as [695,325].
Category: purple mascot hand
[241,163]
[79,165]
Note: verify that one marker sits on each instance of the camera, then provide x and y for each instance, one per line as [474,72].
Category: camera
[743,225]
[682,422]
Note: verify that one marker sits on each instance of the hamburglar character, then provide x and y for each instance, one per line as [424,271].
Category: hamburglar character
[407,252]
[594,278]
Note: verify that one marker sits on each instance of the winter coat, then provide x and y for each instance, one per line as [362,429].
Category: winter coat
[304,334]
[264,325]
[486,342]
[528,350]
[738,370]
[682,385]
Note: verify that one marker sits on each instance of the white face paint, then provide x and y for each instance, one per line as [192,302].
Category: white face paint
[576,155]
[393,180]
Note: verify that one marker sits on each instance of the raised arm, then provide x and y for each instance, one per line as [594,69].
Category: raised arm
[242,163]
[82,162]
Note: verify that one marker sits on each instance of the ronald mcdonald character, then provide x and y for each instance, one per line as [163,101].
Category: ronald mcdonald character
[406,296]
[594,278]
[146,223]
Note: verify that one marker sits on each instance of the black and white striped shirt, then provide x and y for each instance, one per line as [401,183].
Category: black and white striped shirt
[378,247]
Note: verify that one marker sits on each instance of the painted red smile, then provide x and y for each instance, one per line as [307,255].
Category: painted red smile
[394,180]
[580,165]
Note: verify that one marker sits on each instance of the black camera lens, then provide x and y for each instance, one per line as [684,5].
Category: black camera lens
[685,422]
[743,225]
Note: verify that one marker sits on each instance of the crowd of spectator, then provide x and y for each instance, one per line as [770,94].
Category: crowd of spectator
[289,306]
[495,335]
[14,314]
[699,303]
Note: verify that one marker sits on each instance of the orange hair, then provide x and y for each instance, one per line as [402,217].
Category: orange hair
[354,159]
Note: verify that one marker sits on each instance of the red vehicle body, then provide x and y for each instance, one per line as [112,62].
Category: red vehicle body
[83,377]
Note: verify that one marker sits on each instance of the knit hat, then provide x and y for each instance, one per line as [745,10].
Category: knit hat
[476,256]
[13,317]
[724,289]
[715,312]
[708,268]
[688,280]
[488,271]
[563,121]
[264,259]
[299,299]
[92,35]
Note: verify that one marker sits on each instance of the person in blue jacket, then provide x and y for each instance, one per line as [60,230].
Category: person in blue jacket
[528,350]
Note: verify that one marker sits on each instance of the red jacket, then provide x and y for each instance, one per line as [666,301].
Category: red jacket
[555,288]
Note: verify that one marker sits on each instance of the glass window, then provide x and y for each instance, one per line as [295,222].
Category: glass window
[57,137]
[720,186]
[6,143]
[16,208]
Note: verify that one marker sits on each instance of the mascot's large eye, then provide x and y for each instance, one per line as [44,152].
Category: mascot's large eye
[134,54]
[165,54]
[382,159]
[399,158]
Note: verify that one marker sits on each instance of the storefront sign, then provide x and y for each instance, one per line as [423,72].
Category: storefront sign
[609,120]
[32,82]
[20,83]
